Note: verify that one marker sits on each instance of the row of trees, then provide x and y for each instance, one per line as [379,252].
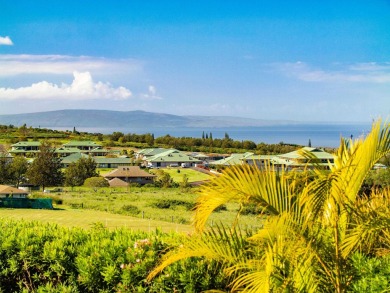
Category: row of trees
[207,143]
[204,144]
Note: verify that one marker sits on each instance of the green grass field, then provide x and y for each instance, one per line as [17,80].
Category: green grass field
[177,174]
[88,218]
[135,207]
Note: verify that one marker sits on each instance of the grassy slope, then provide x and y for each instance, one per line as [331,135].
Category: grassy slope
[108,206]
[193,175]
[87,218]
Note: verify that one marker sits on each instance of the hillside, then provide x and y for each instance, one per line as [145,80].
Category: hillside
[134,119]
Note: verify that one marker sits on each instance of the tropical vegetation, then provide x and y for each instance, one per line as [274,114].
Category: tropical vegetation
[321,228]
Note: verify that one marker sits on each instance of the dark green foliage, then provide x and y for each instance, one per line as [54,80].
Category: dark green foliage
[251,209]
[96,182]
[164,179]
[371,274]
[47,258]
[45,170]
[18,170]
[130,209]
[221,208]
[172,204]
[378,178]
[78,172]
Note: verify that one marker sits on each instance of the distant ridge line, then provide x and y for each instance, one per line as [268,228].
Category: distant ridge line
[133,119]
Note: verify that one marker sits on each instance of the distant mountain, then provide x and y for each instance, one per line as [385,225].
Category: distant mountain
[129,119]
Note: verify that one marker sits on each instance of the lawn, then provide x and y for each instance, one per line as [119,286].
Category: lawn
[193,175]
[88,218]
[171,206]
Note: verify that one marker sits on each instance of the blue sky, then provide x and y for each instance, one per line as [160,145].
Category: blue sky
[295,60]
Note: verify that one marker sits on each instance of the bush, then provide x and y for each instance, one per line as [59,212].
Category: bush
[172,203]
[130,209]
[96,182]
[47,258]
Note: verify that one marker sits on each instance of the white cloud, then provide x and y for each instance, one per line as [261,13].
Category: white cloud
[6,41]
[11,65]
[359,72]
[82,88]
[152,94]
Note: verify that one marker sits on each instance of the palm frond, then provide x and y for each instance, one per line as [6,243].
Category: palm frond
[227,246]
[243,184]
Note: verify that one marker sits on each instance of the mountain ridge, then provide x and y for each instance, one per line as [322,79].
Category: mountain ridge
[132,119]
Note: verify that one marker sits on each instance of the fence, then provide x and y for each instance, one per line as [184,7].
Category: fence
[27,203]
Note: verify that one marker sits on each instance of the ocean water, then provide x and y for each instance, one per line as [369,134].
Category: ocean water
[320,135]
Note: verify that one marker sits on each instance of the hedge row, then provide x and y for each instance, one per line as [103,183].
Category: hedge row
[37,257]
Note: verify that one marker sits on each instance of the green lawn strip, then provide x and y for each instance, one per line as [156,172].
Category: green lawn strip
[193,176]
[88,218]
[144,203]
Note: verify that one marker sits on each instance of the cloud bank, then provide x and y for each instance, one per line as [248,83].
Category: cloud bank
[6,41]
[82,88]
[370,72]
[11,65]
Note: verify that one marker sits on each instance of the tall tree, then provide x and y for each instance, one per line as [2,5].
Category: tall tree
[18,170]
[314,224]
[4,170]
[76,173]
[45,170]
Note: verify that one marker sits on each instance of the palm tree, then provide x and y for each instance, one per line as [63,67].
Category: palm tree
[315,222]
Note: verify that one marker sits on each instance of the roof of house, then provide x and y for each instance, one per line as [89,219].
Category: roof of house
[5,189]
[26,143]
[116,160]
[234,159]
[73,158]
[151,151]
[127,172]
[98,150]
[319,153]
[67,150]
[173,156]
[76,143]
[257,158]
[199,156]
[116,182]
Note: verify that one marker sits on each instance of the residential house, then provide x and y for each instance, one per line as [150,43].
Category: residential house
[82,145]
[87,147]
[107,162]
[149,152]
[101,162]
[25,148]
[233,159]
[171,158]
[299,160]
[258,160]
[129,174]
[12,192]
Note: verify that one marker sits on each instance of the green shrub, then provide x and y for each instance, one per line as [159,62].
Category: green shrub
[37,257]
[172,203]
[130,209]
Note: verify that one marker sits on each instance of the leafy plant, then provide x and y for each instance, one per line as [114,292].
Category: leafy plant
[313,228]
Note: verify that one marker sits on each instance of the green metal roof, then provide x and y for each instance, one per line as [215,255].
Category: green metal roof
[320,154]
[173,156]
[73,158]
[67,150]
[151,151]
[104,160]
[26,143]
[233,159]
[76,143]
